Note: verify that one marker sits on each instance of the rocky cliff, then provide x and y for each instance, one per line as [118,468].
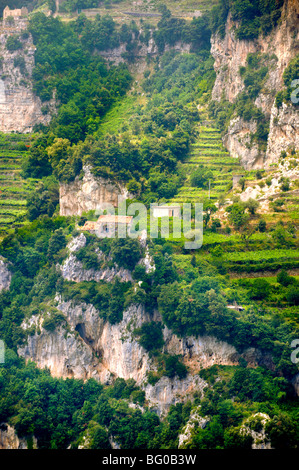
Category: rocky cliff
[284,132]
[89,193]
[85,345]
[118,54]
[20,109]
[280,46]
[88,346]
[9,438]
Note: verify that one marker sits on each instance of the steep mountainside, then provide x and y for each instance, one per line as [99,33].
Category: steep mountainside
[277,49]
[20,108]
[123,342]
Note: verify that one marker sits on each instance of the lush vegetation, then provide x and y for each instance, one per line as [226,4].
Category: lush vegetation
[84,85]
[254,17]
[165,145]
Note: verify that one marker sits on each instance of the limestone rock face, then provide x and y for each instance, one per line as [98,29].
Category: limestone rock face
[20,109]
[194,422]
[5,276]
[72,269]
[257,431]
[89,193]
[89,346]
[229,54]
[9,438]
[281,46]
[118,54]
[238,143]
[284,132]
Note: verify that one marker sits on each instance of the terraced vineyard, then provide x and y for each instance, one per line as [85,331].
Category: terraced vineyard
[13,188]
[208,151]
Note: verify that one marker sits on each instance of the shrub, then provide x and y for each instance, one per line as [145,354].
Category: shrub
[200,177]
[126,252]
[53,320]
[285,184]
[150,336]
[259,174]
[173,367]
[13,43]
[262,226]
[260,289]
[293,295]
[283,278]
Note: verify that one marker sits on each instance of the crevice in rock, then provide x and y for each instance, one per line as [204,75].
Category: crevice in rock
[80,327]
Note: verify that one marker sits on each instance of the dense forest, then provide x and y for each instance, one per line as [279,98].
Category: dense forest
[160,136]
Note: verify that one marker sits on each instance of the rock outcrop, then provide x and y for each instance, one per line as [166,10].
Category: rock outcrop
[280,46]
[195,421]
[238,142]
[72,269]
[255,427]
[20,109]
[89,193]
[118,54]
[89,346]
[9,438]
[284,132]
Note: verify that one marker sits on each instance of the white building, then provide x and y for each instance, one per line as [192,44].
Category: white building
[166,211]
[108,225]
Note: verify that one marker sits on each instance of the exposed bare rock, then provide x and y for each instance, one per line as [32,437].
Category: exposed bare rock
[10,440]
[194,422]
[200,352]
[118,54]
[20,109]
[168,391]
[238,143]
[89,193]
[91,347]
[72,270]
[76,243]
[255,427]
[62,351]
[229,54]
[280,46]
[284,132]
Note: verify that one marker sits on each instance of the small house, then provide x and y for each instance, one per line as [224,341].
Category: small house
[107,225]
[89,226]
[239,308]
[166,211]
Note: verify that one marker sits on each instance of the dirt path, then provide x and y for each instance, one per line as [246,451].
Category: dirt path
[291,272]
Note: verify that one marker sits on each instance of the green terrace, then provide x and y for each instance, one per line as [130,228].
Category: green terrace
[208,151]
[13,188]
